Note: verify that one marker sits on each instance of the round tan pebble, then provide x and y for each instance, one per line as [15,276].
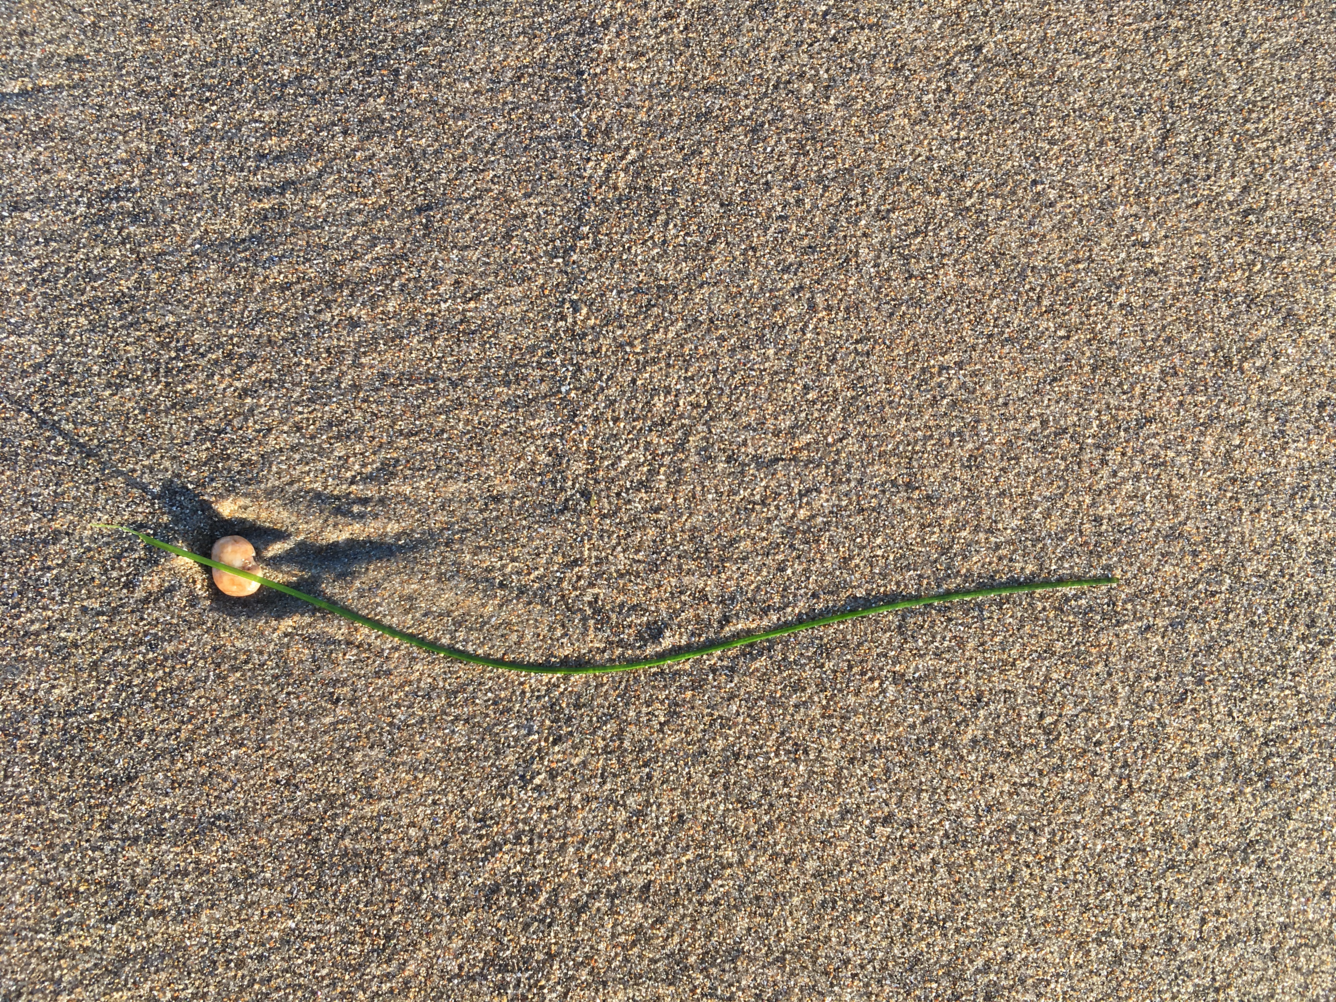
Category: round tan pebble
[235,551]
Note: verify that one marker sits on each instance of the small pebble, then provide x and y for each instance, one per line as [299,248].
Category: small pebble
[235,551]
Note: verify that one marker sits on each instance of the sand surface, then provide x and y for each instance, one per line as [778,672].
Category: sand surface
[581,332]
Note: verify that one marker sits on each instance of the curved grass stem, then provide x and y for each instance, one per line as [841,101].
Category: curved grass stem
[664,659]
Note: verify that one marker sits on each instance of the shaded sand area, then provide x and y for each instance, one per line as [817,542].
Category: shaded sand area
[582,332]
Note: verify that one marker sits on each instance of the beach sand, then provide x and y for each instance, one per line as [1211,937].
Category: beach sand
[574,333]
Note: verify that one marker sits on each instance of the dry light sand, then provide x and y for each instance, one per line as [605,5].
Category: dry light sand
[581,332]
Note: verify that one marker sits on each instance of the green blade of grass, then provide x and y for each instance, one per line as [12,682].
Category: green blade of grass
[721,645]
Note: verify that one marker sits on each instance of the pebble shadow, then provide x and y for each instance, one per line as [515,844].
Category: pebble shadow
[198,524]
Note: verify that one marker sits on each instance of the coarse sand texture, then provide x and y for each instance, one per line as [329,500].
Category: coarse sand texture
[583,334]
